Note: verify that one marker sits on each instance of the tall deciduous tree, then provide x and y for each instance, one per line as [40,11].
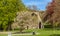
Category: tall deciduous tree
[8,10]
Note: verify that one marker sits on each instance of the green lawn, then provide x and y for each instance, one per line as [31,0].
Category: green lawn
[41,33]
[3,34]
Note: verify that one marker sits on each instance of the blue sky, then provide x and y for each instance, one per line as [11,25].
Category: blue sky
[41,4]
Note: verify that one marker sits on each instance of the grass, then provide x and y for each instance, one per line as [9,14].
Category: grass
[3,34]
[43,32]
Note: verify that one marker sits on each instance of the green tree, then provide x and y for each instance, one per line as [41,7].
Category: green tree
[8,10]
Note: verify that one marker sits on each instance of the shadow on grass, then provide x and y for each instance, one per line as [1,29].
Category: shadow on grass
[55,35]
[21,32]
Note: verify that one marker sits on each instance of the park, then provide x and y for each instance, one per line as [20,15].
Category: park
[29,18]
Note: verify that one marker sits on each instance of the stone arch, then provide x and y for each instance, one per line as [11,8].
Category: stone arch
[40,22]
